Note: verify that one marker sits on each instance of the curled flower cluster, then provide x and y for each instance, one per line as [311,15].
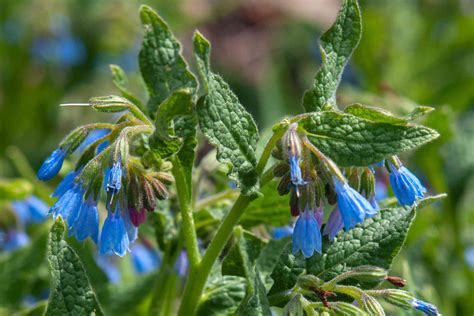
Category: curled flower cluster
[313,181]
[106,165]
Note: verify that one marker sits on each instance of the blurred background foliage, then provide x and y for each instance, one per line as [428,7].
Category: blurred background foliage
[413,52]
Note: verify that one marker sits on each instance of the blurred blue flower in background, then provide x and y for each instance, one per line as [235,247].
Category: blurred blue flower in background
[108,264]
[60,47]
[144,258]
[282,232]
[30,210]
[13,239]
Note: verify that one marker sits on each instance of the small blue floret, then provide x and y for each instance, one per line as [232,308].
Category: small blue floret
[306,234]
[69,204]
[87,222]
[406,186]
[52,164]
[114,179]
[353,206]
[114,237]
[427,308]
[334,224]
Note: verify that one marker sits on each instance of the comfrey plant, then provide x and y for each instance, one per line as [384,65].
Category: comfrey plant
[326,158]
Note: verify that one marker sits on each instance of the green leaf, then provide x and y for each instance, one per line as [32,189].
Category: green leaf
[374,114]
[163,68]
[241,261]
[120,80]
[336,45]
[286,270]
[18,270]
[226,123]
[424,202]
[222,296]
[353,141]
[163,142]
[271,209]
[375,242]
[268,259]
[71,292]
[418,112]
[185,128]
[380,115]
[15,189]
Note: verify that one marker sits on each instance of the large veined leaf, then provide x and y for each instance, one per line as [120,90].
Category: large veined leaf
[354,141]
[71,292]
[226,123]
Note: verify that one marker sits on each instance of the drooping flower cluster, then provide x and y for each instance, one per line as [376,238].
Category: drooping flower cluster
[106,165]
[314,181]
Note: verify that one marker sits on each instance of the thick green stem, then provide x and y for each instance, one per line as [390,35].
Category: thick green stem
[188,229]
[196,281]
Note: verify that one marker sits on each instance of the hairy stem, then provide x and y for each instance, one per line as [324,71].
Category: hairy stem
[188,229]
[197,280]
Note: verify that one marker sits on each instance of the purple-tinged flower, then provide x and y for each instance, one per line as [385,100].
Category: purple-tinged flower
[69,204]
[334,224]
[31,210]
[114,236]
[319,215]
[132,230]
[137,217]
[52,164]
[87,222]
[306,234]
[282,232]
[380,190]
[114,178]
[144,258]
[427,308]
[14,239]
[353,206]
[406,186]
[66,183]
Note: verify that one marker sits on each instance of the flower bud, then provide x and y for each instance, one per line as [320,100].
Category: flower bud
[280,170]
[330,194]
[160,189]
[353,178]
[372,306]
[397,281]
[74,139]
[111,103]
[343,308]
[398,298]
[149,199]
[319,191]
[294,204]
[367,183]
[368,274]
[308,282]
[284,185]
